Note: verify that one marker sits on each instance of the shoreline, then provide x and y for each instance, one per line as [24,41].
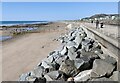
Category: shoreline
[16,30]
[29,48]
[21,23]
[33,46]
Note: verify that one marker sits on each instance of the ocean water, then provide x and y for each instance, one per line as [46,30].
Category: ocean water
[2,38]
[7,23]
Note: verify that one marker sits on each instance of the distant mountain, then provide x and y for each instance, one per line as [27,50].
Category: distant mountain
[102,15]
[106,18]
[98,16]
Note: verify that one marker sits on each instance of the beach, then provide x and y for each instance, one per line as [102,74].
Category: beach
[23,53]
[46,42]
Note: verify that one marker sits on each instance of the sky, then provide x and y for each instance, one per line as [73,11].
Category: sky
[60,0]
[51,11]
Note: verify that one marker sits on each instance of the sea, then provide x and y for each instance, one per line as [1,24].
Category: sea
[8,23]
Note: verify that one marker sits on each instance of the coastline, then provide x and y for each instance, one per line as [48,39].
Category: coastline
[19,23]
[33,46]
[11,31]
[22,53]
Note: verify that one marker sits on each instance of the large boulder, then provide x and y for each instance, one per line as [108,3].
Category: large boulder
[55,75]
[51,53]
[78,63]
[71,38]
[72,55]
[72,49]
[97,51]
[86,64]
[87,41]
[90,55]
[48,78]
[116,76]
[49,66]
[24,76]
[70,44]
[61,39]
[78,40]
[87,44]
[45,64]
[88,47]
[83,76]
[95,45]
[54,54]
[108,58]
[38,72]
[61,59]
[70,33]
[103,79]
[64,51]
[102,68]
[31,78]
[83,34]
[68,68]
[49,59]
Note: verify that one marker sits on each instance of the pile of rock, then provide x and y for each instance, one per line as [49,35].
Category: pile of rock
[79,59]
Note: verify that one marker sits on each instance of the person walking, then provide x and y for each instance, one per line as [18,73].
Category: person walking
[97,24]
[101,25]
[91,21]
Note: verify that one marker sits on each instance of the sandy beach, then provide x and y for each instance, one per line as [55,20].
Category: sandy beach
[22,54]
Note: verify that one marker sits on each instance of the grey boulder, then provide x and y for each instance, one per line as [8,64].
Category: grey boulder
[97,51]
[70,44]
[64,51]
[72,55]
[61,59]
[103,79]
[101,68]
[24,76]
[116,76]
[90,55]
[78,40]
[78,63]
[55,75]
[83,76]
[31,78]
[49,66]
[37,72]
[49,59]
[108,58]
[68,68]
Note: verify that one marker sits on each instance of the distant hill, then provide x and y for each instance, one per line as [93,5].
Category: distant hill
[106,18]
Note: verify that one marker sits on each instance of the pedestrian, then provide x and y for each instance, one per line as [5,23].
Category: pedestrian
[101,25]
[97,24]
[91,21]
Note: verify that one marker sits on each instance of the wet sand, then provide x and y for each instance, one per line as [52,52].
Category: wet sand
[22,54]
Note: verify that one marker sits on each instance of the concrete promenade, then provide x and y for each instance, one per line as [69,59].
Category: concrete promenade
[108,30]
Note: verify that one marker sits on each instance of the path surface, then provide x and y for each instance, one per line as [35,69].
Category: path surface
[109,30]
[23,54]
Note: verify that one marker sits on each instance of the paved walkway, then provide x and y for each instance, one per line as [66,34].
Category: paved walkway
[108,30]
